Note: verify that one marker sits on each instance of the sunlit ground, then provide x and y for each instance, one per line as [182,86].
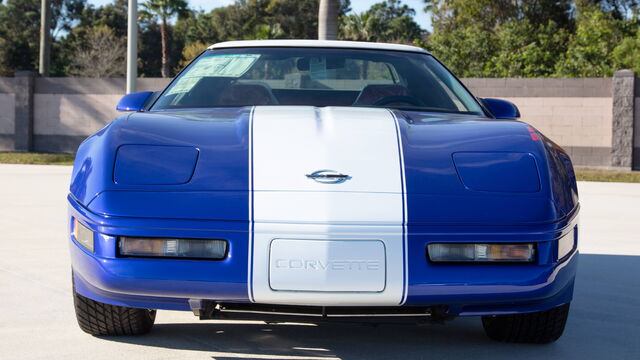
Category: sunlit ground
[37,319]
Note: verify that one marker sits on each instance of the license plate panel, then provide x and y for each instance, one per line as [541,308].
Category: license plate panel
[327,265]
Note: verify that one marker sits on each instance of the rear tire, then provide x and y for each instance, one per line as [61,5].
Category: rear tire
[535,328]
[98,318]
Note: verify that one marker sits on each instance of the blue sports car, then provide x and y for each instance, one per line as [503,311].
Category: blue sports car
[322,181]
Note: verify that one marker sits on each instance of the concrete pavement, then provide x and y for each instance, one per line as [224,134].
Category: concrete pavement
[37,319]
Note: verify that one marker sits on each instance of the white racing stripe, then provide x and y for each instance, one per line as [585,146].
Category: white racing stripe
[290,142]
[404,206]
[250,261]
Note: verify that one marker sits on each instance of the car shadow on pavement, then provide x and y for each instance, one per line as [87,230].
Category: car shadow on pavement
[604,323]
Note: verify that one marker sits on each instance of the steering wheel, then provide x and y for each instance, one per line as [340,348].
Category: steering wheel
[398,99]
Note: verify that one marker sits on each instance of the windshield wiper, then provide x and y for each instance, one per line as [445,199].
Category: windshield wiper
[428,109]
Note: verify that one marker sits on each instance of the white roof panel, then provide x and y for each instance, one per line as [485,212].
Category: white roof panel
[317,43]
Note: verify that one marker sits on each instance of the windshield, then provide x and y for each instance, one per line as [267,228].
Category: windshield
[317,77]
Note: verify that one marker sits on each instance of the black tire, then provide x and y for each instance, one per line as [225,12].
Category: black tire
[98,318]
[535,328]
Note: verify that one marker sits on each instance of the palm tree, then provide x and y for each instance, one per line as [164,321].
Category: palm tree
[163,10]
[328,19]
[356,27]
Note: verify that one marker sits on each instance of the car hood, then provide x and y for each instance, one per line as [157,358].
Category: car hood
[272,149]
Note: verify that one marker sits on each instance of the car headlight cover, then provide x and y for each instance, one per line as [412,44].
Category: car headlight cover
[180,248]
[83,235]
[469,252]
[566,244]
[510,172]
[154,164]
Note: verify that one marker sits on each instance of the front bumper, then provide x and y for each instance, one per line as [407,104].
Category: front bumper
[463,289]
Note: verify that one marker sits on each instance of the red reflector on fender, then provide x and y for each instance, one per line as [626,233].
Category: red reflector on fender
[533,133]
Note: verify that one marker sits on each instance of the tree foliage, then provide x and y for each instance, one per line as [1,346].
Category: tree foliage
[387,21]
[91,59]
[534,38]
[20,33]
[475,38]
[163,11]
[619,9]
[526,50]
[589,51]
[465,50]
[190,52]
[488,14]
[627,54]
[19,36]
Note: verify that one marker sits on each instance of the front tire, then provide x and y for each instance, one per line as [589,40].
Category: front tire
[535,328]
[98,318]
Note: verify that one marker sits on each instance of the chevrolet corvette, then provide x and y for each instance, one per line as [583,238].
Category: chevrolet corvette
[296,180]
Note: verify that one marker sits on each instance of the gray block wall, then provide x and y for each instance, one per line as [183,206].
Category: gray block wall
[544,87]
[7,114]
[574,113]
[592,118]
[67,110]
[636,128]
[623,118]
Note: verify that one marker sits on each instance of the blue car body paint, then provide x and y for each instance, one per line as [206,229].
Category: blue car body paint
[448,199]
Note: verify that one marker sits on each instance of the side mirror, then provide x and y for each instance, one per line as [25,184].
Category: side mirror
[501,109]
[134,101]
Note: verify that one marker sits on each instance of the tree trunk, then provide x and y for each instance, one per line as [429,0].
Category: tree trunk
[328,20]
[165,55]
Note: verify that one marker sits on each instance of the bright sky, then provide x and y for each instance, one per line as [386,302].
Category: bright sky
[422,18]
